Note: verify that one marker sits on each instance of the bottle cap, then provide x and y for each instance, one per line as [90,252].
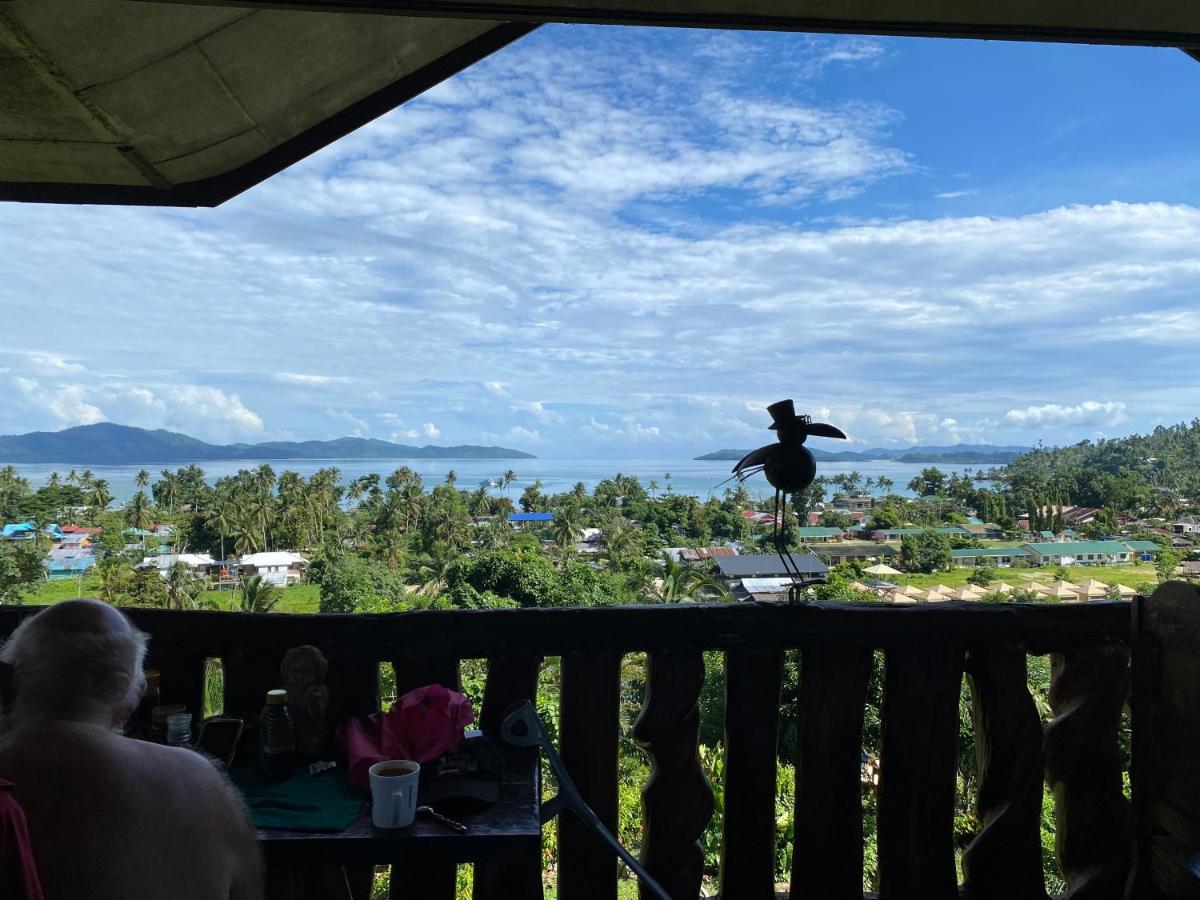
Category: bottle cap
[276,696]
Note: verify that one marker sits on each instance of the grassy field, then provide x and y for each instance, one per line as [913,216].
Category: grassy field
[300,598]
[1130,576]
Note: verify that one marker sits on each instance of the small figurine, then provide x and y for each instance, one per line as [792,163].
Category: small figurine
[303,672]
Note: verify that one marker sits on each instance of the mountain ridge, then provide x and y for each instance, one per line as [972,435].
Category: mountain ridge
[107,443]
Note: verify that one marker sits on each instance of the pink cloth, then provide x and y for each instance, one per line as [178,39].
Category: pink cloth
[421,725]
[18,871]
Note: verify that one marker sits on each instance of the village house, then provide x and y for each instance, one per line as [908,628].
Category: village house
[523,519]
[699,554]
[1144,550]
[735,570]
[896,534]
[280,567]
[199,564]
[854,503]
[68,561]
[837,554]
[816,533]
[984,531]
[1067,553]
[1001,557]
[1187,525]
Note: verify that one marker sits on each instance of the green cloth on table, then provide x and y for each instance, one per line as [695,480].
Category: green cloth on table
[325,802]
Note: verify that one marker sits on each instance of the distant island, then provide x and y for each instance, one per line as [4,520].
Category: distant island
[958,454]
[108,444]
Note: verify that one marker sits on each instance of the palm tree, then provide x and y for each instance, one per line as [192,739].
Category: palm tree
[451,477]
[430,571]
[567,526]
[142,479]
[619,539]
[258,596]
[653,487]
[98,497]
[667,476]
[885,484]
[138,512]
[507,479]
[677,582]
[184,589]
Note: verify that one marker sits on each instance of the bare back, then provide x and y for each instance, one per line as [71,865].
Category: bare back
[111,817]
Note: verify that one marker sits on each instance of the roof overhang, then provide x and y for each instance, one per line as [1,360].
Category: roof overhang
[1165,23]
[107,101]
[189,104]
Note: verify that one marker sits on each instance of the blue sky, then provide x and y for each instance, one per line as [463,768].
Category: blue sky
[625,242]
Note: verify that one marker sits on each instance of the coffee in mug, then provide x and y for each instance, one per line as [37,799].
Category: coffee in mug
[394,792]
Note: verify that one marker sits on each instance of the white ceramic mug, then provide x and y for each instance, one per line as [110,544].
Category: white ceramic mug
[394,792]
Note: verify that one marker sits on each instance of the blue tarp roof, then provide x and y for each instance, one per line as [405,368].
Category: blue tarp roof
[531,517]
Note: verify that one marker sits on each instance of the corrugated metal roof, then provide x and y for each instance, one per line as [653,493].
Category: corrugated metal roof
[1074,548]
[766,565]
[988,551]
[531,517]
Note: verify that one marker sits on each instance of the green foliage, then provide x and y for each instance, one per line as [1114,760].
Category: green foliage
[983,575]
[926,552]
[884,517]
[834,518]
[529,579]
[20,570]
[353,584]
[1165,564]
[258,596]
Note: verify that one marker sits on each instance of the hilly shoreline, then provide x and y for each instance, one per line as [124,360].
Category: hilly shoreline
[107,443]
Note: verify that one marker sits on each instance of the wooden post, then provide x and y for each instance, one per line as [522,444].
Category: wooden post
[1004,861]
[509,680]
[677,802]
[1088,690]
[827,856]
[751,760]
[589,727]
[412,877]
[918,764]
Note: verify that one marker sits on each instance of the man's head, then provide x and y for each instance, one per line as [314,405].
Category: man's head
[80,659]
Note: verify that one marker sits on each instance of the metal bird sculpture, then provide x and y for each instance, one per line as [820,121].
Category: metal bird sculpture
[789,467]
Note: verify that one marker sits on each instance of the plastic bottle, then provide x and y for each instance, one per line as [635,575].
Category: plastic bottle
[277,737]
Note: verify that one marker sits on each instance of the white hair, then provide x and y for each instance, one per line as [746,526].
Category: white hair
[62,671]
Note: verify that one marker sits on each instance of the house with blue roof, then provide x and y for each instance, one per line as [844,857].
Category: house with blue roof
[521,519]
[68,562]
[27,531]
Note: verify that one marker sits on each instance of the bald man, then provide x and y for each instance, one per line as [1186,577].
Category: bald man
[110,817]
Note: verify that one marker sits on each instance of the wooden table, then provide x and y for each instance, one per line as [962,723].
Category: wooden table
[510,829]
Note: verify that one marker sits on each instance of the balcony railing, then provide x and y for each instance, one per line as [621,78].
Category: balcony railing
[926,650]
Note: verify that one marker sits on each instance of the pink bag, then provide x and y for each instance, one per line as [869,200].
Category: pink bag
[421,726]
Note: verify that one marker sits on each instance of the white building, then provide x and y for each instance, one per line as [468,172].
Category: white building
[279,567]
[199,563]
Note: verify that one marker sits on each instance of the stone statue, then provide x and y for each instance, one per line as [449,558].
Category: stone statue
[303,671]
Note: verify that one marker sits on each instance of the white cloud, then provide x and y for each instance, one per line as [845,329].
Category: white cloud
[1089,412]
[305,378]
[431,431]
[496,387]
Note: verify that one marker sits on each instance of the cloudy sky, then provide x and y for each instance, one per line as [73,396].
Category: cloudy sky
[623,242]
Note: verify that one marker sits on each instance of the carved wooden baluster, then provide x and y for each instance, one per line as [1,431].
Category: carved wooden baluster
[509,680]
[588,729]
[918,764]
[249,673]
[1088,690]
[677,802]
[751,733]
[827,859]
[1004,861]
[181,680]
[414,877]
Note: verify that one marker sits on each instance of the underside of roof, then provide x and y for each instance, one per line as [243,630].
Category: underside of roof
[108,101]
[188,104]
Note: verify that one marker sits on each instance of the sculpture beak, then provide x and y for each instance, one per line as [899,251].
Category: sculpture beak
[820,429]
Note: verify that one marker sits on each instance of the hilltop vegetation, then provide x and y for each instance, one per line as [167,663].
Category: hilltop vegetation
[1152,474]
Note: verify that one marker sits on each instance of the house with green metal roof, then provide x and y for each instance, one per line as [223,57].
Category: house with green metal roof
[838,553]
[812,533]
[992,556]
[1145,550]
[1079,553]
[896,534]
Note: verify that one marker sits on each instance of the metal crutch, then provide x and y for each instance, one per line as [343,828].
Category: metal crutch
[523,728]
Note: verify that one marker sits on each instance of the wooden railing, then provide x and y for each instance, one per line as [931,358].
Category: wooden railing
[926,650]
